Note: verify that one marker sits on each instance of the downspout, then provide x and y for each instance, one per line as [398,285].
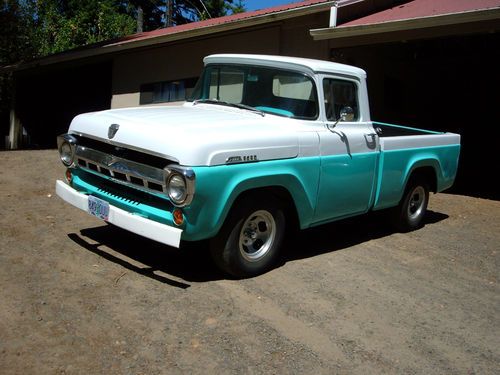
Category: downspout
[334,10]
[333,15]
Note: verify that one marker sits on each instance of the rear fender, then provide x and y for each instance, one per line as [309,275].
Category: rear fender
[396,169]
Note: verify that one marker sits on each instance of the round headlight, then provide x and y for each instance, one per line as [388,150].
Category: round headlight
[66,153]
[177,190]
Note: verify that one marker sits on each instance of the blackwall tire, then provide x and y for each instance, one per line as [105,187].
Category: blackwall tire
[250,240]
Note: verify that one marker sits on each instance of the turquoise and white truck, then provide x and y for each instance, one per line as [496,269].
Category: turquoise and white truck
[264,144]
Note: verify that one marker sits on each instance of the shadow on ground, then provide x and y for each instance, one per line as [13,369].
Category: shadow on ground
[346,233]
[193,263]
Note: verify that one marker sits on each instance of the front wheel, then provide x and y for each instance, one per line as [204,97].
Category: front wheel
[410,212]
[249,242]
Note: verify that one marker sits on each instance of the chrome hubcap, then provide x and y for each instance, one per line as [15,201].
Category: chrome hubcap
[257,235]
[416,204]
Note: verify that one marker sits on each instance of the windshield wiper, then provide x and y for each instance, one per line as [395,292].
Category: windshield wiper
[235,105]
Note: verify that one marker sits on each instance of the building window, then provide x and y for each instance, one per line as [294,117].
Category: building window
[169,91]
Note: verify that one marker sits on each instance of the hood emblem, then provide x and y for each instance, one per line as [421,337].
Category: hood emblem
[113,128]
[111,161]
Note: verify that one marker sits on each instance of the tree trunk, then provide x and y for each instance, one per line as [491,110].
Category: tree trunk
[168,13]
[140,19]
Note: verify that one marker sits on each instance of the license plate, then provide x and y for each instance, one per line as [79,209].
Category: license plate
[98,208]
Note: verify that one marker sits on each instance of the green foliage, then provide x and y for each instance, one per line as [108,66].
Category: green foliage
[154,12]
[186,11]
[35,28]
[219,8]
[183,11]
[238,7]
[60,25]
[15,42]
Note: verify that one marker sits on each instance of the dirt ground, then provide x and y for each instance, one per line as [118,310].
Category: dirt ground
[80,297]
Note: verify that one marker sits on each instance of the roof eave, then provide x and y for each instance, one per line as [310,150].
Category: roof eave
[406,24]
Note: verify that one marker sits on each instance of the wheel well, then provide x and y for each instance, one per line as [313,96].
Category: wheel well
[282,195]
[427,174]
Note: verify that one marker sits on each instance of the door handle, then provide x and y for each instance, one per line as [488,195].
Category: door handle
[371,140]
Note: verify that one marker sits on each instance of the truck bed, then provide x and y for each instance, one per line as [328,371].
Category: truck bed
[402,149]
[391,130]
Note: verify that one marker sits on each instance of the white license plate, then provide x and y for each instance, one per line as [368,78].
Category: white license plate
[98,208]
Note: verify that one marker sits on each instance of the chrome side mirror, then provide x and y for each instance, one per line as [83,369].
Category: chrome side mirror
[346,114]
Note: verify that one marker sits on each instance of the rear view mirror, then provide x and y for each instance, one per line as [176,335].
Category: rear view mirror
[346,114]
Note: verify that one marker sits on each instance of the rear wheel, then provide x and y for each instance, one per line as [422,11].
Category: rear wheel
[411,210]
[249,242]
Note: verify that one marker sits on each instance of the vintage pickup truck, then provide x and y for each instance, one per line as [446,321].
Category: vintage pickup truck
[264,144]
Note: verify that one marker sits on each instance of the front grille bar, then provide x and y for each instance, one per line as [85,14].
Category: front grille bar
[121,170]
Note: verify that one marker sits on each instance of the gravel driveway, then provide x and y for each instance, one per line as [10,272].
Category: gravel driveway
[353,297]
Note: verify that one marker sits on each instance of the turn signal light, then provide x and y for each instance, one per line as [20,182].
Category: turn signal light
[69,176]
[178,217]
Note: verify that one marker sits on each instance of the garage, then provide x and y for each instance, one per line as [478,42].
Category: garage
[48,98]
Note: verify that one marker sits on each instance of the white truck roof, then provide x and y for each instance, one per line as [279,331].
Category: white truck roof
[308,65]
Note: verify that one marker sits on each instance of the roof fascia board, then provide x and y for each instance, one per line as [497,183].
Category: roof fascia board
[406,24]
[162,39]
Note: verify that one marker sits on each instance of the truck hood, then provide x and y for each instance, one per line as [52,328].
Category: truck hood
[194,135]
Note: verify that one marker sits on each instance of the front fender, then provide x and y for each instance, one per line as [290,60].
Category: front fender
[218,187]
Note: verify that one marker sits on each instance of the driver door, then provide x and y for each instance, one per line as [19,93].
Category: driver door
[349,151]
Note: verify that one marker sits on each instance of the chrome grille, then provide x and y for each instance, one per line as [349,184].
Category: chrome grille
[127,172]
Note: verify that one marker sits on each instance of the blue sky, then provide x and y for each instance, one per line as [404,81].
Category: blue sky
[261,4]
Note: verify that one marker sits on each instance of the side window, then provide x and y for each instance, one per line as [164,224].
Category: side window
[339,94]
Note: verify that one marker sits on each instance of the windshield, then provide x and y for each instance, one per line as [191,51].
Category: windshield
[270,90]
